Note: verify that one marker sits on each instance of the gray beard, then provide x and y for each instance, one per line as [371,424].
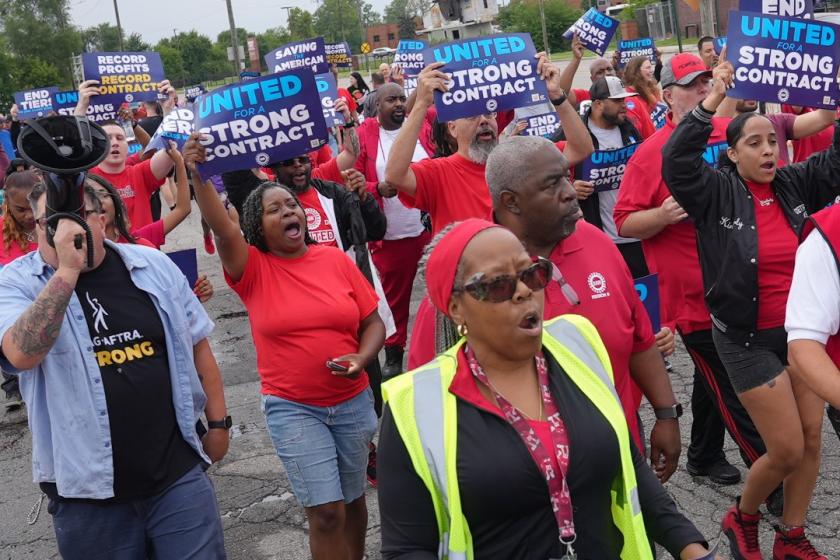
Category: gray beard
[479,151]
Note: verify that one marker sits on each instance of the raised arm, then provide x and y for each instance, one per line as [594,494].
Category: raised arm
[398,169]
[182,200]
[87,89]
[349,139]
[233,250]
[567,75]
[807,124]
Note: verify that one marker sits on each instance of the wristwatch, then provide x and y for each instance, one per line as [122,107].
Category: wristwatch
[674,411]
[349,124]
[560,100]
[220,424]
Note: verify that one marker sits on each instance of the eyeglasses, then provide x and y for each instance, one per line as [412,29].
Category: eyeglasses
[303,160]
[488,116]
[502,288]
[42,220]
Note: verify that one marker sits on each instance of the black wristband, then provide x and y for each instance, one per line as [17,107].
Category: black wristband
[560,100]
[349,124]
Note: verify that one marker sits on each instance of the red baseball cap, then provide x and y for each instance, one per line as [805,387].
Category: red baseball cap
[682,69]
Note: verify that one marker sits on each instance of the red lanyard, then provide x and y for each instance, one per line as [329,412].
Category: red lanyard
[558,488]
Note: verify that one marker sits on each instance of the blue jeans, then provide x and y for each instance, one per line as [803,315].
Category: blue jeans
[324,449]
[180,523]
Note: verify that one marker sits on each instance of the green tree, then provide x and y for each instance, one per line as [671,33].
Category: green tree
[301,24]
[270,40]
[370,16]
[200,58]
[242,35]
[135,43]
[403,12]
[523,16]
[102,38]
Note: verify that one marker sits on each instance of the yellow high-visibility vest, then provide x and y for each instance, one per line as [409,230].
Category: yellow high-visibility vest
[425,414]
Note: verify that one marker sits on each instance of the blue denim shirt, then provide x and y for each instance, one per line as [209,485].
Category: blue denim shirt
[68,415]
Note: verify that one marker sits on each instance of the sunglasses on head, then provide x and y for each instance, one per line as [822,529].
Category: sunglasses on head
[502,288]
[303,160]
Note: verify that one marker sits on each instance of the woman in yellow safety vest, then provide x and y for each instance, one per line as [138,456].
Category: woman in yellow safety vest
[513,443]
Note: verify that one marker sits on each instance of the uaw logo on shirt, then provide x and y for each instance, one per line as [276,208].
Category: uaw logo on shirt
[598,285]
[320,230]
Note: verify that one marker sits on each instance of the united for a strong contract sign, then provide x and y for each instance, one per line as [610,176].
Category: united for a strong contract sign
[124,76]
[594,29]
[487,75]
[783,59]
[99,110]
[254,123]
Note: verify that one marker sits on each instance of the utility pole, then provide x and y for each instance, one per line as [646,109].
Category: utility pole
[544,33]
[234,41]
[119,25]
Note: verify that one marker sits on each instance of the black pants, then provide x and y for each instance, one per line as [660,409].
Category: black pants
[716,407]
[10,385]
[634,257]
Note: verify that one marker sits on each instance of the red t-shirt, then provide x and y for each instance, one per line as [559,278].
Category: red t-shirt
[14,249]
[317,221]
[777,243]
[135,184]
[328,171]
[638,112]
[450,189]
[351,102]
[805,147]
[303,312]
[153,233]
[672,253]
[582,94]
[139,241]
[592,265]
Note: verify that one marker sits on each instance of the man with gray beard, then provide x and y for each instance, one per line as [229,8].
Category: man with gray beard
[453,188]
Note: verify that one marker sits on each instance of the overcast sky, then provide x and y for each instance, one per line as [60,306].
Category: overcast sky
[155,19]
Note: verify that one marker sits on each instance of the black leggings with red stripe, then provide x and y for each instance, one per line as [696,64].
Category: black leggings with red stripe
[716,407]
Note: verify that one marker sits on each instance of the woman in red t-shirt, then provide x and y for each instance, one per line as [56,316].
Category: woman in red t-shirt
[17,223]
[639,78]
[315,325]
[748,214]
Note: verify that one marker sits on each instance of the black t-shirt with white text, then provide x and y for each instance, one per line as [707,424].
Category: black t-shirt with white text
[129,344]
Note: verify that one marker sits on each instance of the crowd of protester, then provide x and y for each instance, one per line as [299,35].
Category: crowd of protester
[516,432]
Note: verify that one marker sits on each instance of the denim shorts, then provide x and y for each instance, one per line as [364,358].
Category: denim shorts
[752,361]
[324,449]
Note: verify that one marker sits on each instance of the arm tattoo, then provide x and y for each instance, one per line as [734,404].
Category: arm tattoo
[351,141]
[35,332]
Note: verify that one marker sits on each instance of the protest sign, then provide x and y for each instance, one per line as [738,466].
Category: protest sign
[594,29]
[254,123]
[99,110]
[248,75]
[605,168]
[409,56]
[310,53]
[783,59]
[33,103]
[658,114]
[718,44]
[328,90]
[191,93]
[628,50]
[176,126]
[487,75]
[713,151]
[124,76]
[648,289]
[409,85]
[788,8]
[339,54]
[187,261]
[545,125]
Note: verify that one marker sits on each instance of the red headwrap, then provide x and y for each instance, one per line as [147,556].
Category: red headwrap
[443,262]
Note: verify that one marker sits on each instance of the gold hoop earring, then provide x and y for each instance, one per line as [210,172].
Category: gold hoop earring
[462,330]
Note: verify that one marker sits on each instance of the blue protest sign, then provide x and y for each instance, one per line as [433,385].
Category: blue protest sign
[544,125]
[712,152]
[34,103]
[339,54]
[124,76]
[191,93]
[605,168]
[187,261]
[594,29]
[409,85]
[628,50]
[788,8]
[783,59]
[487,74]
[310,53]
[134,148]
[254,123]
[648,289]
[99,110]
[718,44]
[658,114]
[176,126]
[328,90]
[409,56]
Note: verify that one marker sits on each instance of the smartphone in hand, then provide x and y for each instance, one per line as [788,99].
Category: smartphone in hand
[341,366]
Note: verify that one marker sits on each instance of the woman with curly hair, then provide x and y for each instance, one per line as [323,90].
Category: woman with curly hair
[316,327]
[17,224]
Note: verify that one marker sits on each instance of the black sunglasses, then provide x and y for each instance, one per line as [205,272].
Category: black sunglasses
[303,160]
[501,288]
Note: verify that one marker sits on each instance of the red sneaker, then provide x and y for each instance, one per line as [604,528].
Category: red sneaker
[209,244]
[742,531]
[792,544]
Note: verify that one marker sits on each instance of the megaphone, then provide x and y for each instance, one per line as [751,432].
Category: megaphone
[65,147]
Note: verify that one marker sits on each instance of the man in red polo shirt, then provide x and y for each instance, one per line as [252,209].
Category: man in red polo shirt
[532,197]
[646,210]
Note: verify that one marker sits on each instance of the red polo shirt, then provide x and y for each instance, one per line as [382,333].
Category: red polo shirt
[672,253]
[609,300]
